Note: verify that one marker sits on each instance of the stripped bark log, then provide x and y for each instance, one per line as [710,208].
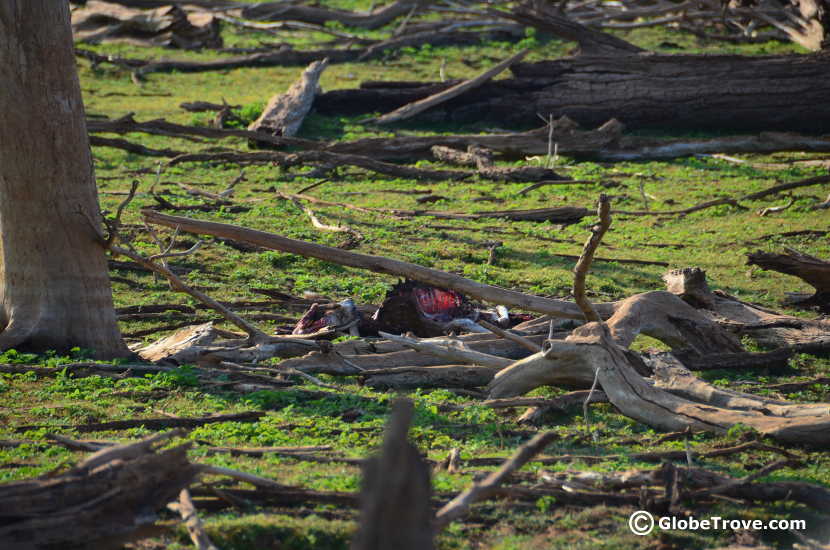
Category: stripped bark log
[350,360]
[285,112]
[592,347]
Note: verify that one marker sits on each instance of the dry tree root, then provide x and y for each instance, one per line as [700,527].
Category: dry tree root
[678,400]
[811,270]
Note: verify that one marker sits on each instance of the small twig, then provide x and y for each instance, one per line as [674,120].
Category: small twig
[642,187]
[587,256]
[187,252]
[313,185]
[588,400]
[315,221]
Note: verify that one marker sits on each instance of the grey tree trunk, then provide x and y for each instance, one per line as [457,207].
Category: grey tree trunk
[54,286]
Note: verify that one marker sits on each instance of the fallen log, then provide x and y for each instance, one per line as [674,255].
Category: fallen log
[286,56]
[108,499]
[378,17]
[683,402]
[166,25]
[651,90]
[353,360]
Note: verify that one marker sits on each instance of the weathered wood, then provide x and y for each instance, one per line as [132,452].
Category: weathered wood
[547,19]
[275,11]
[103,502]
[811,270]
[440,279]
[647,90]
[412,109]
[382,355]
[557,214]
[166,25]
[54,286]
[286,111]
[396,491]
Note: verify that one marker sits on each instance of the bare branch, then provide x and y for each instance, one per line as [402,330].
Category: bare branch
[587,256]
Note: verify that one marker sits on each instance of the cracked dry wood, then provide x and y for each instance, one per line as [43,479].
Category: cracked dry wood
[285,112]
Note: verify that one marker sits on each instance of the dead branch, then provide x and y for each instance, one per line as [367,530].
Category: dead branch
[155,423]
[131,147]
[587,256]
[441,376]
[249,329]
[556,308]
[109,498]
[276,11]
[191,521]
[521,340]
[412,109]
[450,352]
[811,270]
[591,42]
[560,214]
[460,505]
[302,158]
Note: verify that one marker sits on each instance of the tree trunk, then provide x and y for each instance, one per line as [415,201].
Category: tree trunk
[784,92]
[54,285]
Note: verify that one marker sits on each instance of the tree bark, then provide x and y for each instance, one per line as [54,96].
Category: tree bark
[54,285]
[783,92]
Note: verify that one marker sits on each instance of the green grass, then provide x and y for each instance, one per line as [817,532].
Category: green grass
[716,239]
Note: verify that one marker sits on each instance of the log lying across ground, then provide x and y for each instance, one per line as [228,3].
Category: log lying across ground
[642,89]
[111,497]
[606,142]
